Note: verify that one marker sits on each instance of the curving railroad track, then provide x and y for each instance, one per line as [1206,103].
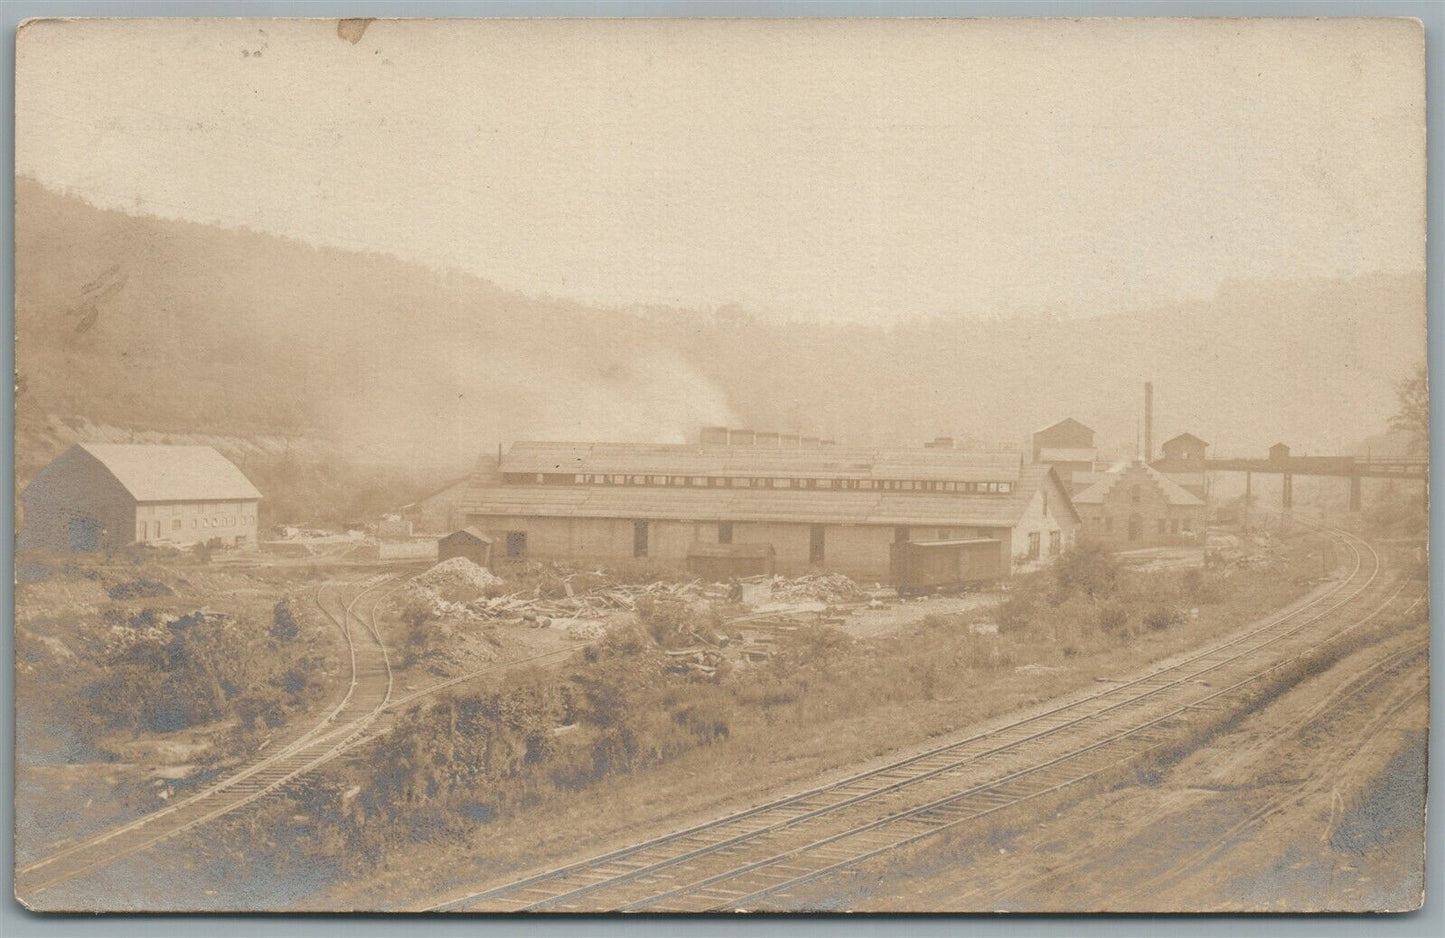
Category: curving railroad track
[368,693]
[368,709]
[757,857]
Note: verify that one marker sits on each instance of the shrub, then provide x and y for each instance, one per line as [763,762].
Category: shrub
[139,588]
[283,622]
[1088,568]
[1017,612]
[1112,617]
[1161,617]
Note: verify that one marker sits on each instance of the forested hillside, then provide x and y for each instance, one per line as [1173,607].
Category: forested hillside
[138,322]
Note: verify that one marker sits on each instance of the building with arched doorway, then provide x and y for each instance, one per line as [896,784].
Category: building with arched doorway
[1135,505]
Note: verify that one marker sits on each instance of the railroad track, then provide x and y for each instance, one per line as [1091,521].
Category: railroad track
[367,695]
[1335,766]
[765,852]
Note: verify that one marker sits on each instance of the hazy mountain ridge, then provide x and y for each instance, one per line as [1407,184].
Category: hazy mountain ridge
[137,321]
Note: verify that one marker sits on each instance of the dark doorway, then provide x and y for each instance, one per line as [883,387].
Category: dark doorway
[84,534]
[516,543]
[639,538]
[724,532]
[816,543]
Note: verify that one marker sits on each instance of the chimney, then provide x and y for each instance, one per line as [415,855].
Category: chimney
[1148,421]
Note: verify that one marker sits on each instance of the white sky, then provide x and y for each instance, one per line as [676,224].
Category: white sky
[828,169]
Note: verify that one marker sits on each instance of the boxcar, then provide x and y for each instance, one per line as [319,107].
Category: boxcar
[939,566]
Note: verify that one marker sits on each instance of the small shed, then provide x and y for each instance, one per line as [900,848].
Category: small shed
[1279,452]
[470,543]
[719,562]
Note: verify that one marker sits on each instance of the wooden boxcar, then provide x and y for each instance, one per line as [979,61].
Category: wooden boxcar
[718,563]
[937,566]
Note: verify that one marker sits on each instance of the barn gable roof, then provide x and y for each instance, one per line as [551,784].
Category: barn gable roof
[153,473]
[1174,493]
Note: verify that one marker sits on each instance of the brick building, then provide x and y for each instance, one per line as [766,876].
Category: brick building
[1136,505]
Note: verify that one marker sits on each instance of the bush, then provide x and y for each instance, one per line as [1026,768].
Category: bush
[1088,568]
[139,588]
[283,622]
[1161,617]
[1017,612]
[1112,617]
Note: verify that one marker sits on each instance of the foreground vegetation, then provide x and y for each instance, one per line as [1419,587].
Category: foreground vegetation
[474,760]
[151,674]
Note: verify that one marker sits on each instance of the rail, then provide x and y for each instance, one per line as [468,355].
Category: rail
[629,878]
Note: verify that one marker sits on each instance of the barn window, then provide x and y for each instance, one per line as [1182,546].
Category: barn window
[699,480]
[176,524]
[516,543]
[724,532]
[782,483]
[1034,539]
[741,483]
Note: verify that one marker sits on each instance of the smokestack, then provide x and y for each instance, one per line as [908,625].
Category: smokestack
[1148,420]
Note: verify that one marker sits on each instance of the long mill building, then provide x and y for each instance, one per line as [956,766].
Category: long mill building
[807,504]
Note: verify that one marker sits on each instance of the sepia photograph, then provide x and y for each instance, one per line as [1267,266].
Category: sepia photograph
[720,465]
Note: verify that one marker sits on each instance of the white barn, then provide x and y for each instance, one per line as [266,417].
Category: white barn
[100,496]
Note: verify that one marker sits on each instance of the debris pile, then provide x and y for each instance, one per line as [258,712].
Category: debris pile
[824,588]
[585,630]
[696,662]
[456,581]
